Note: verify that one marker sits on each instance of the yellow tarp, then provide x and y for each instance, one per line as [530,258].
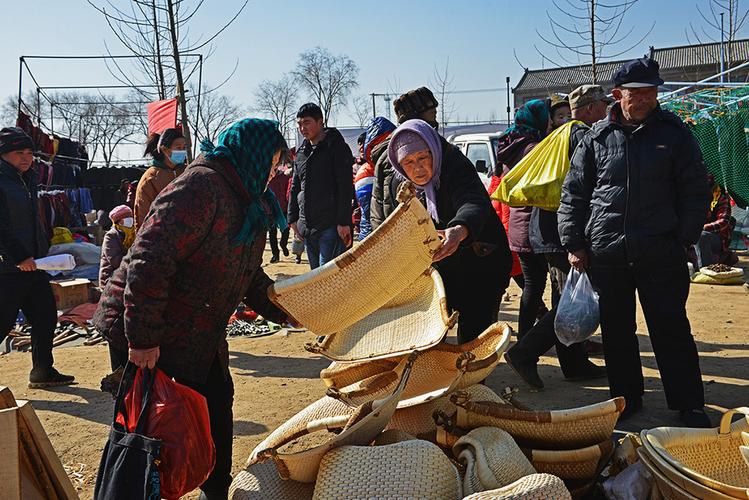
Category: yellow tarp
[536,181]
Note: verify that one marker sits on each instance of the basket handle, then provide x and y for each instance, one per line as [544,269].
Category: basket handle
[725,420]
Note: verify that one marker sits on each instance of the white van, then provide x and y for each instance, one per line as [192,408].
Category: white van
[481,149]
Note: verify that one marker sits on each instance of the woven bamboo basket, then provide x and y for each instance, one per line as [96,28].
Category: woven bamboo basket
[392,436]
[328,299]
[666,487]
[436,372]
[359,427]
[416,319]
[261,482]
[651,459]
[709,456]
[583,463]
[548,430]
[491,458]
[532,487]
[745,449]
[410,469]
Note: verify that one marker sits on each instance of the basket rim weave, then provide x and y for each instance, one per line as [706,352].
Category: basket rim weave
[616,404]
[657,439]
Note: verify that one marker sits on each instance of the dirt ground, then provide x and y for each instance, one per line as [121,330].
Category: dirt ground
[275,377]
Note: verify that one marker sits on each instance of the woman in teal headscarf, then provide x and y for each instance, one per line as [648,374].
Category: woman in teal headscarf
[198,254]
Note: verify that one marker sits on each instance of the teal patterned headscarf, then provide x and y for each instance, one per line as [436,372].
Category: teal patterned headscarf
[249,145]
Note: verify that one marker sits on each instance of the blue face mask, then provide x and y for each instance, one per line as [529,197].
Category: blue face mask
[178,157]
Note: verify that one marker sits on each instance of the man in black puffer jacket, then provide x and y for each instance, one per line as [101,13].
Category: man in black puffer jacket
[22,286]
[634,199]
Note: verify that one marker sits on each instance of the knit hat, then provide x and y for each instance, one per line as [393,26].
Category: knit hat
[13,139]
[120,212]
[407,143]
[413,103]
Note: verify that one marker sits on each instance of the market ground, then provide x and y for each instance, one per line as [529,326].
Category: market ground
[275,377]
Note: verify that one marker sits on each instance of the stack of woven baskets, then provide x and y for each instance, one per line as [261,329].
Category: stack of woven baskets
[699,463]
[382,312]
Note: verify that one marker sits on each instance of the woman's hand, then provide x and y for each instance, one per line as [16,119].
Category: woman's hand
[144,358]
[27,265]
[451,238]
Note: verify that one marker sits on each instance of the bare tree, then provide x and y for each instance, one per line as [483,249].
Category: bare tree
[328,78]
[277,100]
[157,31]
[217,112]
[723,20]
[442,82]
[361,110]
[588,32]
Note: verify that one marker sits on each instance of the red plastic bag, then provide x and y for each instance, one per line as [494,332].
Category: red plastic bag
[178,416]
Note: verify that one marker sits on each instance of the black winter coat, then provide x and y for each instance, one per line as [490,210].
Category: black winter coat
[382,204]
[21,234]
[322,188]
[543,230]
[634,196]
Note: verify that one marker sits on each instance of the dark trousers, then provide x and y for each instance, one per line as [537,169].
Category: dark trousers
[534,268]
[218,391]
[663,290]
[273,238]
[323,246]
[31,293]
[542,336]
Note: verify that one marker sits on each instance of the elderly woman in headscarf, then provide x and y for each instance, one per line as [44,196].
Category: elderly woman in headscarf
[195,258]
[531,125]
[474,260]
[116,242]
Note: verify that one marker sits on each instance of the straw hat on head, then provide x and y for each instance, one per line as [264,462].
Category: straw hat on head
[532,487]
[436,372]
[261,482]
[357,426]
[492,459]
[410,469]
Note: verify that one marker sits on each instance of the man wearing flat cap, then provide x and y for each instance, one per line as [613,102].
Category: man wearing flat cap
[22,286]
[633,201]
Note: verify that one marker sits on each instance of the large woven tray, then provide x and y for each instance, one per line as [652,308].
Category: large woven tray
[358,426]
[668,488]
[436,372]
[416,319]
[533,487]
[673,479]
[709,456]
[261,482]
[547,430]
[583,463]
[346,290]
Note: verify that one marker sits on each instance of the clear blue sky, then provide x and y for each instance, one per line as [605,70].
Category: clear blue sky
[395,43]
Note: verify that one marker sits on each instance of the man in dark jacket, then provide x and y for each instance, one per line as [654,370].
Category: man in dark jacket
[322,189]
[421,104]
[588,104]
[634,199]
[22,286]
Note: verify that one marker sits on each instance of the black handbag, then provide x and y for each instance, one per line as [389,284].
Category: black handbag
[128,468]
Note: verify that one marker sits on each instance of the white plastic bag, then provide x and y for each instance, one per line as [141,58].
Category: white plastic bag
[60,262]
[577,314]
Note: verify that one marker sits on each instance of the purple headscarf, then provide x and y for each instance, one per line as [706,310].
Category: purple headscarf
[432,140]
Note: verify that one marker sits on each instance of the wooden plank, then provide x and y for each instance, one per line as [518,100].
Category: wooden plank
[63,485]
[6,398]
[31,489]
[10,463]
[35,461]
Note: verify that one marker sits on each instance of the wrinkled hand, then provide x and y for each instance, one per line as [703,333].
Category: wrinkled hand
[578,259]
[344,232]
[27,265]
[451,238]
[144,358]
[295,230]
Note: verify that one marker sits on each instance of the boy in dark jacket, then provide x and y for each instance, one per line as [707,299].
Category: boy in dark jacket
[22,286]
[322,189]
[634,199]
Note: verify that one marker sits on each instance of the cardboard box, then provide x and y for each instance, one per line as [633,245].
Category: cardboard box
[71,292]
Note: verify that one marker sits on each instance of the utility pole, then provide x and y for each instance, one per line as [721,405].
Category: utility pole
[180,83]
[157,63]
[722,50]
[374,107]
[507,80]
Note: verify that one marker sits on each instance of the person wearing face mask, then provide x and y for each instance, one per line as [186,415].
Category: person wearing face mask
[633,201]
[22,286]
[169,156]
[415,104]
[474,260]
[192,262]
[116,242]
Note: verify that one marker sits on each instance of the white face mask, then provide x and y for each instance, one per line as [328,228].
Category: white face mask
[127,222]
